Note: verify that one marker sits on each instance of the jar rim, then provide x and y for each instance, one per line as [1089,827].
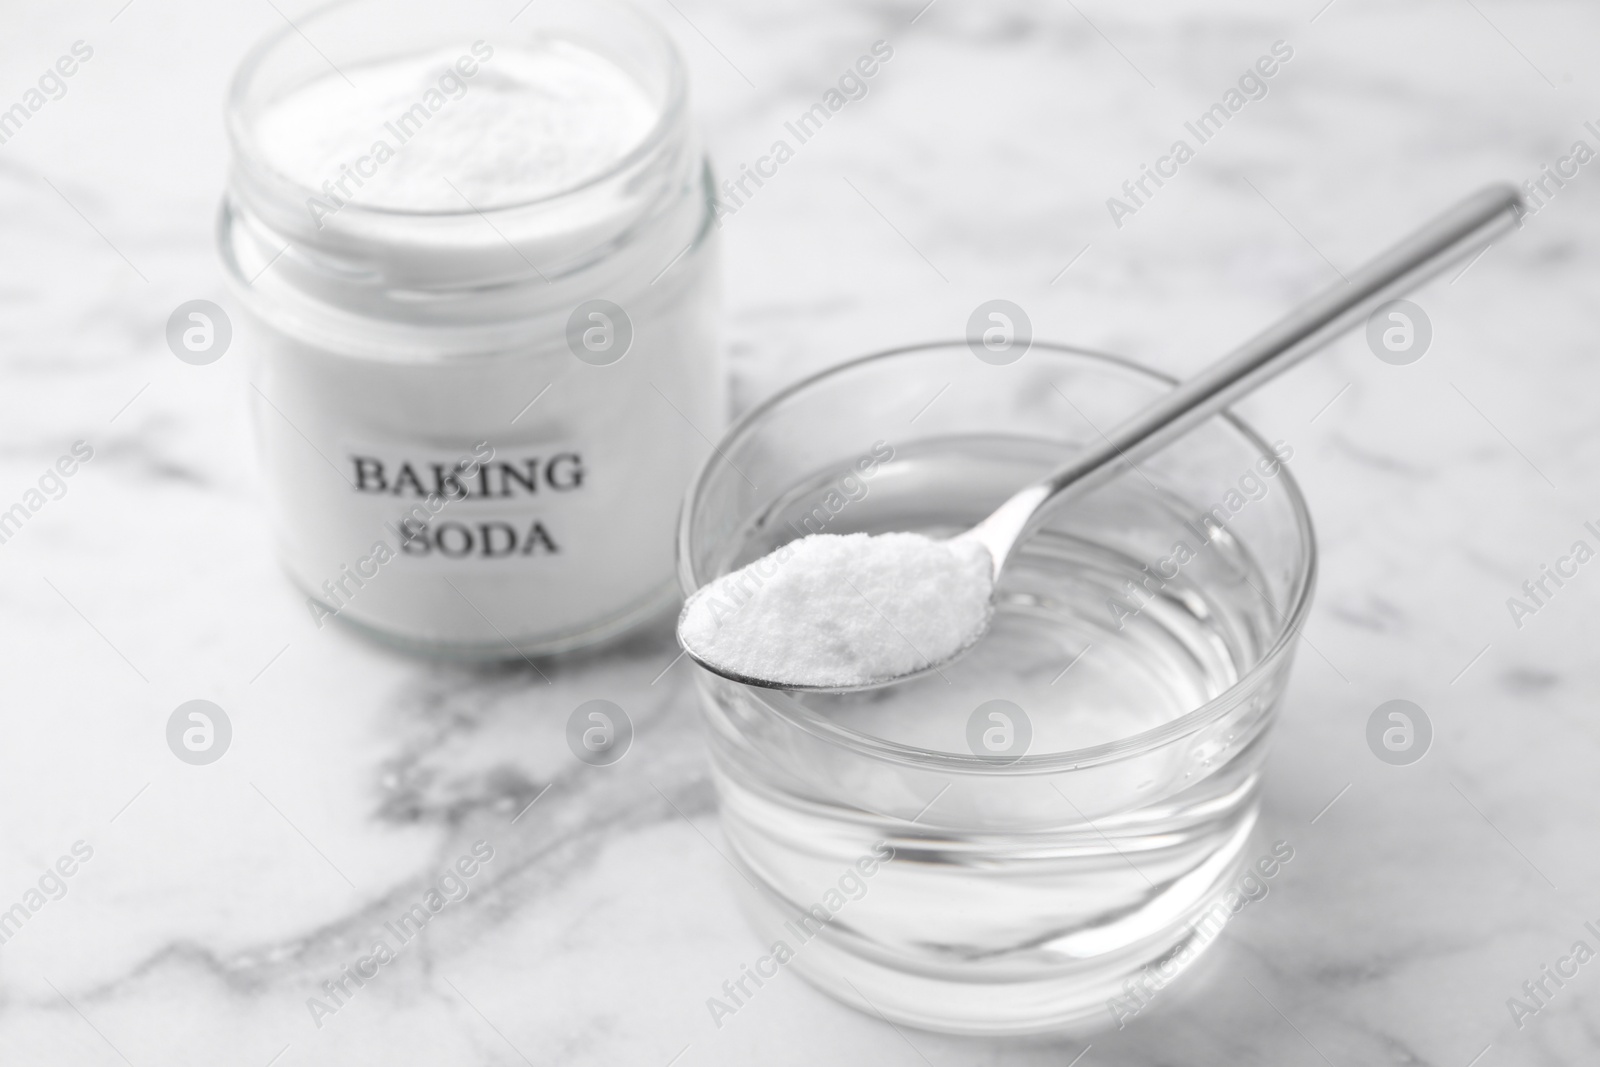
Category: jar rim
[671,114]
[795,712]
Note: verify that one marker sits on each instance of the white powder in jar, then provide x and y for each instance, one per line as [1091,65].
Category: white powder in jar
[841,611]
[527,122]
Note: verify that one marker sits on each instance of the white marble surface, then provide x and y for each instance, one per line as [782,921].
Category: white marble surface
[218,897]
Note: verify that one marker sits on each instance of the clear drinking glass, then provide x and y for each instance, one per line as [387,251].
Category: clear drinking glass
[1064,806]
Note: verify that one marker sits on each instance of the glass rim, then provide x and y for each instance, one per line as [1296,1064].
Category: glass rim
[794,711]
[244,149]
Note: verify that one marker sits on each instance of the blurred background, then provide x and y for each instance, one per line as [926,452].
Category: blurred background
[978,165]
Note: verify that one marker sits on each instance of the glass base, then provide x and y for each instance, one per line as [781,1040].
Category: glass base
[661,602]
[991,993]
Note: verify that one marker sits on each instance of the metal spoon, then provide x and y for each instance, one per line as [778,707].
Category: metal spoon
[1458,233]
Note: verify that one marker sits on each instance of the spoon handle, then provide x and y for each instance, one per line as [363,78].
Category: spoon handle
[1453,236]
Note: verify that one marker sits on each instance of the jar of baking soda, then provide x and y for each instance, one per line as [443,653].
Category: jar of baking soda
[474,245]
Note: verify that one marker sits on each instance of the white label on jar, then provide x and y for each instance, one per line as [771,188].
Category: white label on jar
[475,507]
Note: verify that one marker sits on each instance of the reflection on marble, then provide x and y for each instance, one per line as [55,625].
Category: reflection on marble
[218,899]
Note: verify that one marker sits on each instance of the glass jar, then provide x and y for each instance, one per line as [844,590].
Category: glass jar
[476,409]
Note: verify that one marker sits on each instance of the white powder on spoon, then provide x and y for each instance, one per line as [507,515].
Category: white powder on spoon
[841,611]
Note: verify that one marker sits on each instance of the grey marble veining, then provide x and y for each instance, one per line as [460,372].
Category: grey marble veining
[217,899]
